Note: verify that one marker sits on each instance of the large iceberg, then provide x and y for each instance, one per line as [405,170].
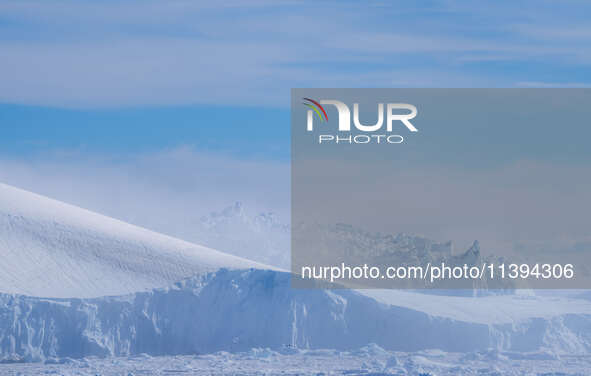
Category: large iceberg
[74,283]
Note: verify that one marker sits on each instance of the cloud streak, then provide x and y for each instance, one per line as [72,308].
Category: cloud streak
[128,53]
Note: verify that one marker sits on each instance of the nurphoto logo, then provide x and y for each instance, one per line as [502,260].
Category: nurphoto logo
[316,110]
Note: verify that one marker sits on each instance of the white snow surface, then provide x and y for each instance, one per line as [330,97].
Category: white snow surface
[53,249]
[495,309]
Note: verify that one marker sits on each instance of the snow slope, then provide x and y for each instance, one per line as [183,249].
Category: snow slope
[52,249]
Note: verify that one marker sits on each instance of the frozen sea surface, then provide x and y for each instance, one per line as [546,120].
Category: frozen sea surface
[369,360]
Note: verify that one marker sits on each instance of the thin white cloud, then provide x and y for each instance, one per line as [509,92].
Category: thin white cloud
[89,54]
[540,84]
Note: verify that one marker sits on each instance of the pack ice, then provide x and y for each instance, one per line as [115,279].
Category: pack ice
[75,283]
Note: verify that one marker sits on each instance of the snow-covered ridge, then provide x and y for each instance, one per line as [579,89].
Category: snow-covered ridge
[52,249]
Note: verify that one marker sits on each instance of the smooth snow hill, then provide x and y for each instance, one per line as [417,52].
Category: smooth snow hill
[52,249]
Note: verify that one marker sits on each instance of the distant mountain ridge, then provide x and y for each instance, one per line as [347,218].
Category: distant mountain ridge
[261,237]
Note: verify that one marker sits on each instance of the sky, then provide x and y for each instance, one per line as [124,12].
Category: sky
[156,112]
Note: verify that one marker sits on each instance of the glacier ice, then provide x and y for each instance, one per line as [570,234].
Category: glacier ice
[236,310]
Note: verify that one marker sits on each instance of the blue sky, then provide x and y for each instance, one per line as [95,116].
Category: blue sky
[184,65]
[156,111]
[30,131]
